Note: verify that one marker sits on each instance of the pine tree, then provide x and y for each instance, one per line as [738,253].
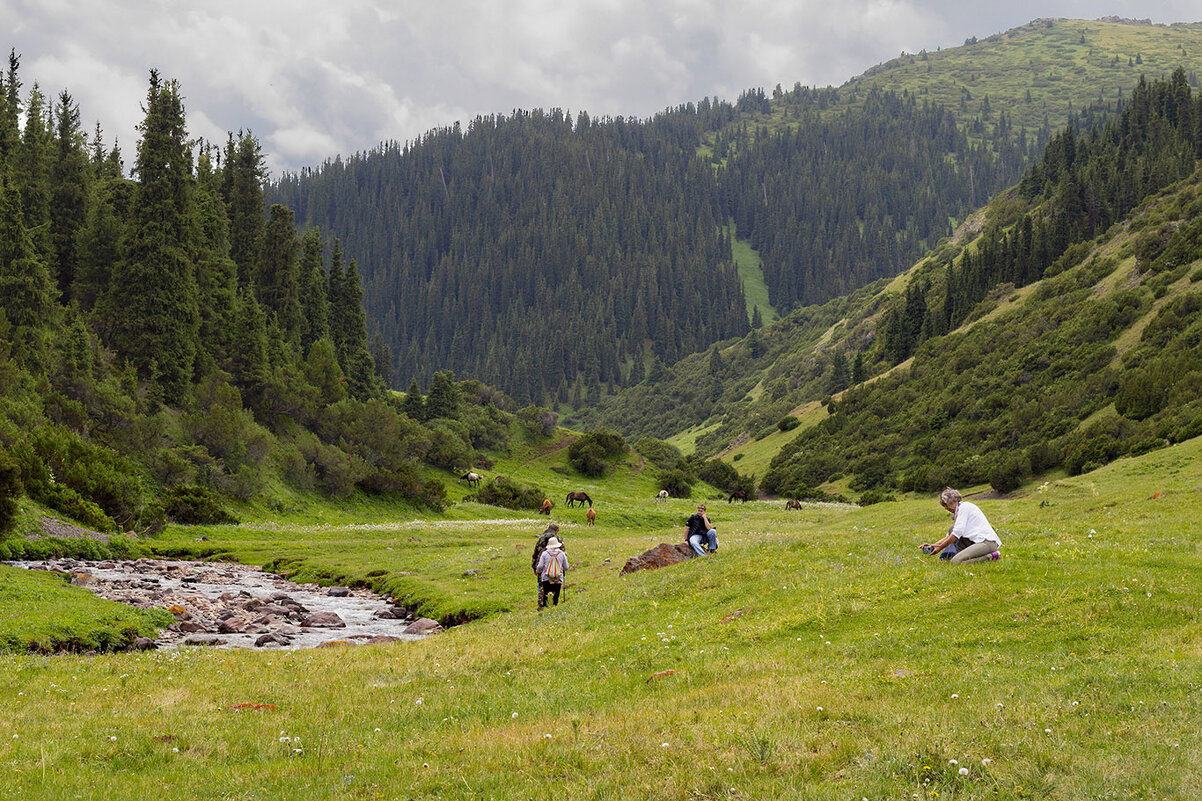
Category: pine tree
[414,405]
[70,176]
[30,172]
[443,400]
[28,294]
[153,293]
[242,190]
[277,281]
[216,273]
[315,304]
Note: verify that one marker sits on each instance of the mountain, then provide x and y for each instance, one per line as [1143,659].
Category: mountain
[561,259]
[1059,329]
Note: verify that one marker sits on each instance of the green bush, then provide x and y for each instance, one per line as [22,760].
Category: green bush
[11,490]
[63,499]
[192,505]
[589,453]
[508,494]
[659,453]
[1009,474]
[788,423]
[676,483]
[875,496]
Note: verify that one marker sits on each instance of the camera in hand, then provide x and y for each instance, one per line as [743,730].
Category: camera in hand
[928,549]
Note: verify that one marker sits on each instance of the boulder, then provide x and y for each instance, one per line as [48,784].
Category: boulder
[190,627]
[323,620]
[271,639]
[232,625]
[202,639]
[338,592]
[144,644]
[382,638]
[423,625]
[272,609]
[661,555]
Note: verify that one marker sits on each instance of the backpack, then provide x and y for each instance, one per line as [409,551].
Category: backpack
[554,570]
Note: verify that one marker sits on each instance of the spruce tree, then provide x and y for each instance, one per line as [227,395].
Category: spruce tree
[154,295]
[315,304]
[70,176]
[443,400]
[278,281]
[414,405]
[27,292]
[216,273]
[242,191]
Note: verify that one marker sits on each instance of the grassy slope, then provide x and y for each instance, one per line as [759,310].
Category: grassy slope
[852,666]
[747,261]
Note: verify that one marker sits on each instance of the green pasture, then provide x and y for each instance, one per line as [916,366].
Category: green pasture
[817,655]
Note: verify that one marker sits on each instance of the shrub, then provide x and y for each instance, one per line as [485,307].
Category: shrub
[875,496]
[788,423]
[62,498]
[589,453]
[508,494]
[676,483]
[538,421]
[659,453]
[10,492]
[192,505]
[1009,474]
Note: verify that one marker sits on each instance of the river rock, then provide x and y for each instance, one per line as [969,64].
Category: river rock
[271,639]
[423,625]
[191,627]
[202,639]
[382,638]
[232,625]
[144,644]
[338,592]
[323,620]
[661,555]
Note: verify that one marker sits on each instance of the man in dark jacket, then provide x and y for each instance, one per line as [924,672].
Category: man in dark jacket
[700,534]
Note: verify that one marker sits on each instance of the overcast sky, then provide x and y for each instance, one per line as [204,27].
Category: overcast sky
[316,79]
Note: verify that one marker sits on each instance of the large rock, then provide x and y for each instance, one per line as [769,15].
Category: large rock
[323,620]
[661,555]
[338,592]
[190,627]
[202,639]
[233,625]
[423,625]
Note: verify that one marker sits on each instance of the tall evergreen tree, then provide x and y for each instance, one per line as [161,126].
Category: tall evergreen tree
[314,298]
[242,190]
[27,292]
[278,281]
[216,273]
[153,299]
[70,177]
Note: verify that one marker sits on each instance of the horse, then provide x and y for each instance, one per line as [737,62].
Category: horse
[738,495]
[472,479]
[663,496]
[591,516]
[792,504]
[579,497]
[545,509]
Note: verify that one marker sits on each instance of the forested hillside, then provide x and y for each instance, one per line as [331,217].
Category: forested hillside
[1061,330]
[560,258]
[535,253]
[169,345]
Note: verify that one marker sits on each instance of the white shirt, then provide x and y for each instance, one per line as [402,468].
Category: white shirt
[970,522]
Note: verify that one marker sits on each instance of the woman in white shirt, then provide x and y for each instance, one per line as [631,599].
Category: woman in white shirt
[977,540]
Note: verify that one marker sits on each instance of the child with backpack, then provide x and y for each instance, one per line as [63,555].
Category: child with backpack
[552,565]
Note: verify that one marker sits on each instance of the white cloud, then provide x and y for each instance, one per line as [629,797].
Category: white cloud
[314,79]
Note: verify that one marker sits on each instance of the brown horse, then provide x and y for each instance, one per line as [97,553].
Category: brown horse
[738,495]
[591,516]
[580,498]
[545,509]
[791,504]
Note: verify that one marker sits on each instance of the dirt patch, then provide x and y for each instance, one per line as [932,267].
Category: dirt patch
[53,527]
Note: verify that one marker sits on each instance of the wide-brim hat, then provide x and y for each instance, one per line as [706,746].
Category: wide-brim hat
[554,543]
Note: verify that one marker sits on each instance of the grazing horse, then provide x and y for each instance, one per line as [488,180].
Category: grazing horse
[738,495]
[579,497]
[591,516]
[472,479]
[663,495]
[545,509]
[792,504]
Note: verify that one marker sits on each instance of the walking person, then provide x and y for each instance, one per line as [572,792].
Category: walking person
[975,539]
[700,533]
[551,568]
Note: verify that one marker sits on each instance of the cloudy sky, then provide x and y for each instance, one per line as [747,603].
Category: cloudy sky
[315,79]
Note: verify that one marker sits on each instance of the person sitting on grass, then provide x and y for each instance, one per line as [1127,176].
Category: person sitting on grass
[700,533]
[975,539]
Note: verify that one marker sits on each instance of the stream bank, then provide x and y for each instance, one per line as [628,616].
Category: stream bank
[221,604]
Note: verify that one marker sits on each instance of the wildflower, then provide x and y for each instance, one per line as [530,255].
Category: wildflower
[548,736]
[113,739]
[663,745]
[952,762]
[955,695]
[514,715]
[1047,731]
[986,761]
[285,739]
[819,709]
[425,764]
[377,729]
[963,771]
[175,750]
[418,702]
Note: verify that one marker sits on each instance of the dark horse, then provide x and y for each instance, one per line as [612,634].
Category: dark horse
[579,497]
[792,504]
[738,495]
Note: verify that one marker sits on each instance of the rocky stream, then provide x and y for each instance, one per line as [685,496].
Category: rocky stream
[239,606]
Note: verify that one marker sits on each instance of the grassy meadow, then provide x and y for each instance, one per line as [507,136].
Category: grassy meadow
[817,655]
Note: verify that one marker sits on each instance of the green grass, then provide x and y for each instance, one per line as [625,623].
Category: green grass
[818,655]
[751,274]
[42,611]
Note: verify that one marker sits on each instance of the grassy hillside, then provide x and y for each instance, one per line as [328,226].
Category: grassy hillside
[817,655]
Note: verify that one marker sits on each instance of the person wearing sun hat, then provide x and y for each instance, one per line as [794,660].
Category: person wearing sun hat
[551,568]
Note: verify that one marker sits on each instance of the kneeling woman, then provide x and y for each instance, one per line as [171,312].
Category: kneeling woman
[976,539]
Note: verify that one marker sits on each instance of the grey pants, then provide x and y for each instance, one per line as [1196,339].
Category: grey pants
[977,552]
